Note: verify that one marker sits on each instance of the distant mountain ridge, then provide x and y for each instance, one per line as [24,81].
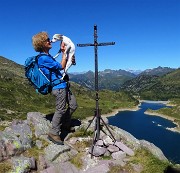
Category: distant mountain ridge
[159,71]
[114,79]
[108,79]
[136,72]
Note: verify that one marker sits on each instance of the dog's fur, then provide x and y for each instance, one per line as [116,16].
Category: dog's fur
[70,50]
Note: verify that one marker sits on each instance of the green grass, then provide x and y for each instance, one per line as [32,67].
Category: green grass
[108,101]
[173,112]
[77,160]
[148,162]
[20,98]
[5,166]
[81,133]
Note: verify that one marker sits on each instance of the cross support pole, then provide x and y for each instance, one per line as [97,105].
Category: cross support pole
[97,115]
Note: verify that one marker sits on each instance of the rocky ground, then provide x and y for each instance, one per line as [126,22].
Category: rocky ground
[111,142]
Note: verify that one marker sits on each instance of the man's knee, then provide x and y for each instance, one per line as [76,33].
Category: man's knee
[61,112]
[75,107]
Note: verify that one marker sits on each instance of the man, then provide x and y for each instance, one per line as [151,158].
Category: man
[62,116]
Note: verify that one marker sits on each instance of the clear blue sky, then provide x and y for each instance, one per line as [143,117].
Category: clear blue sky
[146,32]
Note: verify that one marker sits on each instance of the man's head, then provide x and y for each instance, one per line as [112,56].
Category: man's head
[41,42]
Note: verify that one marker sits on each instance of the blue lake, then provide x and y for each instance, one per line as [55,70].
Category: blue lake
[150,128]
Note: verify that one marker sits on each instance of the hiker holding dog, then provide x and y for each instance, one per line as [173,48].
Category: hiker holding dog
[62,116]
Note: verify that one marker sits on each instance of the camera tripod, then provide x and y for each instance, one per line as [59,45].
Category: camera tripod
[97,116]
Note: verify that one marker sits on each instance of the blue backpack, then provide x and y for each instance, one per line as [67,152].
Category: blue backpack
[36,77]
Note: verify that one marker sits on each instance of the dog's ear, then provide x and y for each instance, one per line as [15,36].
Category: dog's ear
[60,36]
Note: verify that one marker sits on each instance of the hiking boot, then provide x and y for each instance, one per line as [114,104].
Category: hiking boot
[55,139]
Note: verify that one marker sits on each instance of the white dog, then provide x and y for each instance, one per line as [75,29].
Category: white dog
[70,50]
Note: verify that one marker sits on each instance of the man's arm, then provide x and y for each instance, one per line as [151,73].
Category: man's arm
[64,60]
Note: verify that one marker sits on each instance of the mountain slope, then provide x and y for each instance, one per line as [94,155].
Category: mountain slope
[155,88]
[18,97]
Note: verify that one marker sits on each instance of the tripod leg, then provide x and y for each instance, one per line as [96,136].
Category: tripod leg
[98,127]
[108,129]
[89,125]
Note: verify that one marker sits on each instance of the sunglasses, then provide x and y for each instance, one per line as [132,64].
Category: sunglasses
[48,40]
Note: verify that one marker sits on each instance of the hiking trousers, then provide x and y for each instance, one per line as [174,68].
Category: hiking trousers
[65,106]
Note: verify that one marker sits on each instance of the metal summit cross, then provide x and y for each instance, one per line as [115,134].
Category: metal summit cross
[97,115]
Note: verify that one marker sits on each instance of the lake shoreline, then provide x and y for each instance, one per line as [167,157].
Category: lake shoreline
[116,111]
[174,129]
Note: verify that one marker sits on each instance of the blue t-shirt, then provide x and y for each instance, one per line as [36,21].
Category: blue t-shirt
[47,61]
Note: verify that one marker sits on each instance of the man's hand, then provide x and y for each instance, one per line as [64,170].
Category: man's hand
[63,47]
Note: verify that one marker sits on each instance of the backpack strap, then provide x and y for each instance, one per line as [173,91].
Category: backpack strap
[56,82]
[52,83]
